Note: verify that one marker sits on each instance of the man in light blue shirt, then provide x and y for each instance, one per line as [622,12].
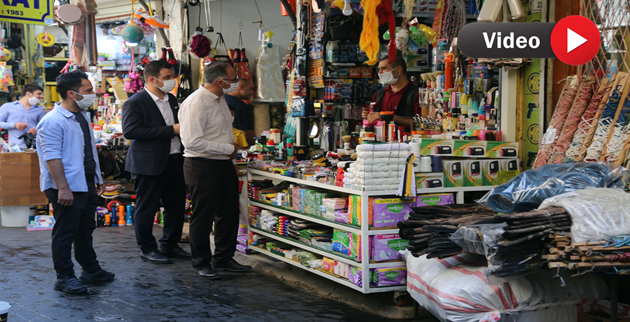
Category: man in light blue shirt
[71,179]
[22,116]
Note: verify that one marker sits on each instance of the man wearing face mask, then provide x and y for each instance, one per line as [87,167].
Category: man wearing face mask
[242,111]
[22,116]
[399,95]
[71,179]
[210,174]
[155,162]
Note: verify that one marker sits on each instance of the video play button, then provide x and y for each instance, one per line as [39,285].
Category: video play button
[575,40]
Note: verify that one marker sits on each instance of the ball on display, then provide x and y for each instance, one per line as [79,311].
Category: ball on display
[7,55]
[132,33]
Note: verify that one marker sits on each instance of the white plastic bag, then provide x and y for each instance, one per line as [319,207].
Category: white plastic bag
[268,75]
[596,213]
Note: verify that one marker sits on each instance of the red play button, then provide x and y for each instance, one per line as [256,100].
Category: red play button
[575,40]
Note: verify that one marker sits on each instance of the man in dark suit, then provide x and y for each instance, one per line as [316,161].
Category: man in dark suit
[156,163]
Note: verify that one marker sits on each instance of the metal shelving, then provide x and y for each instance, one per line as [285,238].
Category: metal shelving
[364,230]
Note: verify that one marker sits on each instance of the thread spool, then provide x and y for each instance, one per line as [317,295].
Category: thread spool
[425,163]
[436,164]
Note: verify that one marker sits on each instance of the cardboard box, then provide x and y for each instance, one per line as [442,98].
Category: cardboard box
[490,170]
[467,148]
[19,179]
[473,173]
[502,149]
[439,147]
[428,180]
[453,173]
[435,199]
[508,169]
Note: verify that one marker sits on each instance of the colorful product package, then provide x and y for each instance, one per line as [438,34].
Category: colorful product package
[387,212]
[355,246]
[355,275]
[429,180]
[342,216]
[467,148]
[341,242]
[502,149]
[454,173]
[354,210]
[242,239]
[389,276]
[328,265]
[490,170]
[386,247]
[434,199]
[243,249]
[473,173]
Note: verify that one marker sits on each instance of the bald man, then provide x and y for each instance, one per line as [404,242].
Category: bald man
[242,111]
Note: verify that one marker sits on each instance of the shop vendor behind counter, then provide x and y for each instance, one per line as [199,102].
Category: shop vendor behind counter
[399,96]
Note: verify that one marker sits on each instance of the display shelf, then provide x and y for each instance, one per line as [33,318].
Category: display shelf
[331,277]
[321,221]
[359,192]
[302,245]
[364,230]
[56,59]
[321,185]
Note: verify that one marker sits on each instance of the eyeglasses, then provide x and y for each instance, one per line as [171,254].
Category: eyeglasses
[235,79]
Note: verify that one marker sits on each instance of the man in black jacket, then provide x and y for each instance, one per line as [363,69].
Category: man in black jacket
[156,163]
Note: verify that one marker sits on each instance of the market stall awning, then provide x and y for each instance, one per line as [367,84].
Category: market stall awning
[113,10]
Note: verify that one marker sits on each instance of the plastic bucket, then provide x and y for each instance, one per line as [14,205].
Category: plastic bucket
[16,216]
[4,311]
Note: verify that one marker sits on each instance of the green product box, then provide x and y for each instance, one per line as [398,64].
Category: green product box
[427,180]
[439,147]
[354,209]
[453,173]
[490,170]
[318,201]
[468,148]
[502,149]
[473,173]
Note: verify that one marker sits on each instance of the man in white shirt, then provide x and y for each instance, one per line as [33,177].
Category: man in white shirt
[155,162]
[210,152]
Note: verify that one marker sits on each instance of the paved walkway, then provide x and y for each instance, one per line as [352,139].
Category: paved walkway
[148,292]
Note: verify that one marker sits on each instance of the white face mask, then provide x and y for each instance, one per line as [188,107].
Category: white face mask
[34,101]
[169,85]
[87,101]
[232,88]
[387,78]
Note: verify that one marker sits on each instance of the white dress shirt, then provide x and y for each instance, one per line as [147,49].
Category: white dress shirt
[167,113]
[206,126]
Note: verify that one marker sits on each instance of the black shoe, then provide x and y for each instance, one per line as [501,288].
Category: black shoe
[175,252]
[230,265]
[70,285]
[99,277]
[155,257]
[206,271]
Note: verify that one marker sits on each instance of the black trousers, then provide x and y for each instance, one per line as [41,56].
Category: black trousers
[213,185]
[74,225]
[169,187]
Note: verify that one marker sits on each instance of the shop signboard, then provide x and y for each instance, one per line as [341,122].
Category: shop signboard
[33,12]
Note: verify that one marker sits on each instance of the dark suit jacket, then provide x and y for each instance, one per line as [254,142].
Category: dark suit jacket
[143,124]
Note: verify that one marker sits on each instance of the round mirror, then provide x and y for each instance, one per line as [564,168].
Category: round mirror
[314,131]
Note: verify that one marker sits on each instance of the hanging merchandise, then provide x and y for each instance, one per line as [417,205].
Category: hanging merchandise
[70,14]
[132,33]
[386,15]
[83,50]
[147,18]
[438,19]
[133,81]
[588,120]
[370,42]
[557,121]
[45,39]
[580,104]
[200,44]
[608,120]
[241,63]
[268,75]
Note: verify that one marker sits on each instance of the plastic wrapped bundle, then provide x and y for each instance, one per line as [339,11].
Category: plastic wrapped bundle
[529,189]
